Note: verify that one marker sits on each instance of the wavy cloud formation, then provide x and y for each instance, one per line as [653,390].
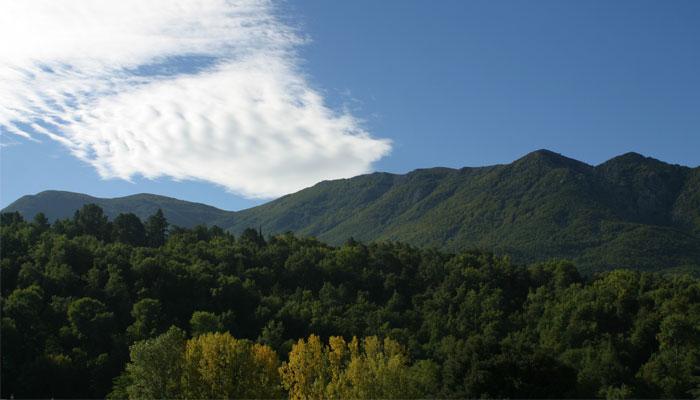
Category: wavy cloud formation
[190,89]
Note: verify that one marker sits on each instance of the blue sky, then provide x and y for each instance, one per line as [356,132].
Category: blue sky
[411,84]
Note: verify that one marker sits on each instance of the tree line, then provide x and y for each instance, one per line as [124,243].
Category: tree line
[141,309]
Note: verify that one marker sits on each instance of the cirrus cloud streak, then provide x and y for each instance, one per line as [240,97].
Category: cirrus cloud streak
[189,89]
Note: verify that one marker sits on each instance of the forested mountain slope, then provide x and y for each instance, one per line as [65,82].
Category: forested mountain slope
[631,211]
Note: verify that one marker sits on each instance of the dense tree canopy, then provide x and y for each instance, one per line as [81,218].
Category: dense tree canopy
[89,310]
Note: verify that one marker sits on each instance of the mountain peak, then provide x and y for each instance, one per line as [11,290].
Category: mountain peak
[632,155]
[544,157]
[53,193]
[544,153]
[631,159]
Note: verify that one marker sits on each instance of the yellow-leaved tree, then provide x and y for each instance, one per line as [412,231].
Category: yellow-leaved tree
[305,376]
[217,366]
[371,368]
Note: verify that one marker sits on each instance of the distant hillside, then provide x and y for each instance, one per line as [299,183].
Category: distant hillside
[58,205]
[630,211]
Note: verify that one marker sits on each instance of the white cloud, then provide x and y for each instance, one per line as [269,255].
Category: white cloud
[190,89]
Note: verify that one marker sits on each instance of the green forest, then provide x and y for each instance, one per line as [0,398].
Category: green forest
[125,308]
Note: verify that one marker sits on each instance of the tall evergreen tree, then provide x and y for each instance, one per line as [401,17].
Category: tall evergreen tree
[156,229]
[41,222]
[91,220]
[129,229]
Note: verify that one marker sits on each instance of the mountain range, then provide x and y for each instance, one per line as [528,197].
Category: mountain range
[630,211]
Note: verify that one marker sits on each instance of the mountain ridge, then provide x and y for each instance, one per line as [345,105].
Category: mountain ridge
[59,204]
[629,211]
